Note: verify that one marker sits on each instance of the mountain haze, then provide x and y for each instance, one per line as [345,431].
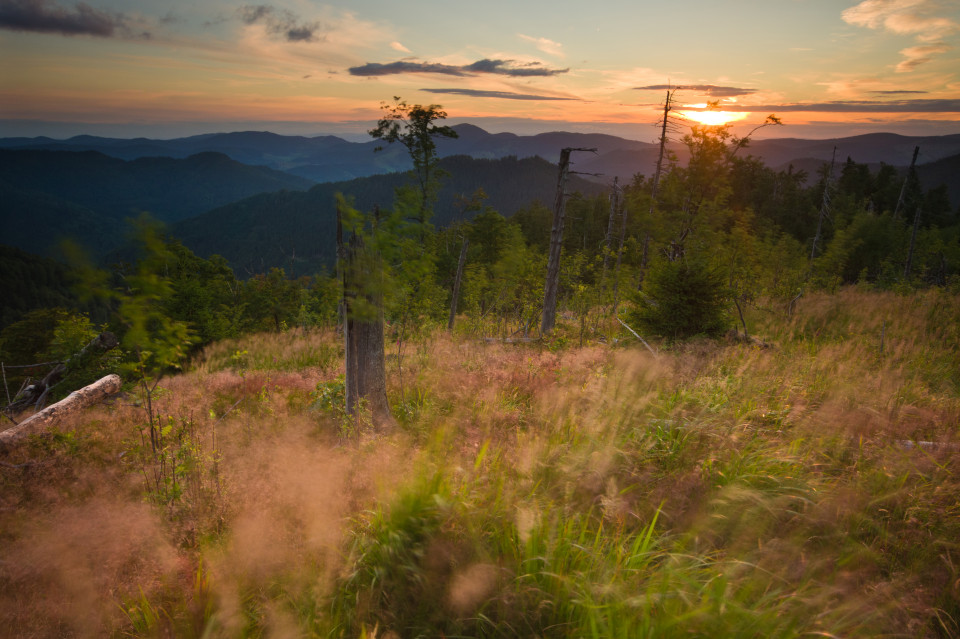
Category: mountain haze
[330,159]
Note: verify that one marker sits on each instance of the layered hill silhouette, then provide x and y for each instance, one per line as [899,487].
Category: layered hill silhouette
[254,216]
[330,159]
[297,230]
[86,195]
[275,213]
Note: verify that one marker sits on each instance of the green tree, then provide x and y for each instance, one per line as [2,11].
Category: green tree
[271,301]
[140,296]
[414,126]
[387,263]
[664,305]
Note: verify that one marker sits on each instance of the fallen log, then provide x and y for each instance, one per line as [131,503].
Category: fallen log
[36,394]
[73,402]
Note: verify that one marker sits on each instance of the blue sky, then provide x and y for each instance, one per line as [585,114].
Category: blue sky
[172,67]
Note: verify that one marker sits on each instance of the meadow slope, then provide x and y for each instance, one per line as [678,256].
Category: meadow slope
[716,489]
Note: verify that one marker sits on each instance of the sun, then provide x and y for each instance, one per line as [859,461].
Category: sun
[711,117]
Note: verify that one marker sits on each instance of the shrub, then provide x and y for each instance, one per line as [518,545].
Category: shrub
[681,299]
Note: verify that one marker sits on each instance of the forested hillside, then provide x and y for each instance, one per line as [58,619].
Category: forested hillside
[30,282]
[296,230]
[49,195]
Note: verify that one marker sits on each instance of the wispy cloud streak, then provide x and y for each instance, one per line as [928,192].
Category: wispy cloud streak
[547,46]
[504,95]
[707,89]
[497,67]
[860,106]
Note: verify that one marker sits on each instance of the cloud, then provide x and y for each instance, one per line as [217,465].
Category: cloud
[707,89]
[44,16]
[280,22]
[547,46]
[498,67]
[918,105]
[372,69]
[910,17]
[921,54]
[396,46]
[896,92]
[906,17]
[505,95]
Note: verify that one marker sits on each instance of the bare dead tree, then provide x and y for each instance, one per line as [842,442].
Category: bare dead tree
[824,203]
[666,126]
[913,242]
[456,282]
[464,204]
[552,283]
[911,172]
[615,197]
[616,268]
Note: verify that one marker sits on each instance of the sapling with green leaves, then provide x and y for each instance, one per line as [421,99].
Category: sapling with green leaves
[155,343]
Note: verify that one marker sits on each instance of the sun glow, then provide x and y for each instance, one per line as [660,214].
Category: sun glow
[711,117]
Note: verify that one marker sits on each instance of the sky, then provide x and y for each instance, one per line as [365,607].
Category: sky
[167,68]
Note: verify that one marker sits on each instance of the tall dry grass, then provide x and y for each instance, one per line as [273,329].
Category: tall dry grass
[717,489]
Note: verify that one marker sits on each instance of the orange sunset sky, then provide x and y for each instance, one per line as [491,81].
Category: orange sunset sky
[164,68]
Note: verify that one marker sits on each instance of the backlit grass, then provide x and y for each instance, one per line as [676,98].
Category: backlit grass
[715,490]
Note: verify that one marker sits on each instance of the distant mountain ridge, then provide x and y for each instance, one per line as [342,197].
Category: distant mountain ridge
[329,158]
[255,216]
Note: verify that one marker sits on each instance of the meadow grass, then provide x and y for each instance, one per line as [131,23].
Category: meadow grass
[717,489]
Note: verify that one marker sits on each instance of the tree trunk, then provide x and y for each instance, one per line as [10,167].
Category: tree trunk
[913,243]
[368,368]
[655,189]
[365,378]
[456,283]
[614,207]
[49,416]
[616,268]
[549,316]
[903,187]
[556,243]
[824,205]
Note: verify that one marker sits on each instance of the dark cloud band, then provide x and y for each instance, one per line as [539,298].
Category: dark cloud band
[498,67]
[707,89]
[44,16]
[504,95]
